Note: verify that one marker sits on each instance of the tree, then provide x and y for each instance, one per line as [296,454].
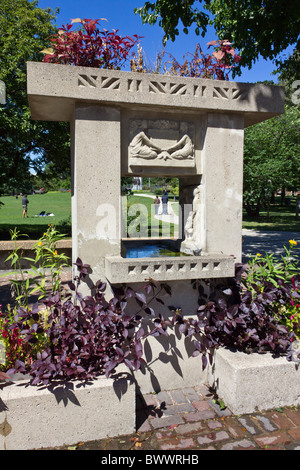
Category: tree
[255,27]
[271,159]
[24,31]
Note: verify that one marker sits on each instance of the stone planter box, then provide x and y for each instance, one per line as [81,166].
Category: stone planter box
[39,417]
[250,382]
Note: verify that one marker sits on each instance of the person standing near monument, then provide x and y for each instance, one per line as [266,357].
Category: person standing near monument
[25,203]
[156,204]
[164,200]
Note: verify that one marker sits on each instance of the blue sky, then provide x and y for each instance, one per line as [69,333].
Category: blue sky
[120,15]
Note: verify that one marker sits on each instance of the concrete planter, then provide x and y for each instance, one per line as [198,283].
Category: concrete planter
[249,382]
[40,417]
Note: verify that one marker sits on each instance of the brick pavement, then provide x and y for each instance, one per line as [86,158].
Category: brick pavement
[190,420]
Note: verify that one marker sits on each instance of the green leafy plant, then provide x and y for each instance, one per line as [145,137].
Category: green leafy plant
[269,269]
[48,259]
[47,263]
[289,311]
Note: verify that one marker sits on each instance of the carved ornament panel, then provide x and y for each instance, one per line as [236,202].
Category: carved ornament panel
[161,142]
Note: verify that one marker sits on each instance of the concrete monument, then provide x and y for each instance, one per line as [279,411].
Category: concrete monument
[131,124]
[143,125]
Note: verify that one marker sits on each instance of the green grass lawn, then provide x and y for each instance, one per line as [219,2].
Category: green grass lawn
[162,229]
[11,211]
[281,218]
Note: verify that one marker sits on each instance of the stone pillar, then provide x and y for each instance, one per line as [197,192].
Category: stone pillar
[223,183]
[96,180]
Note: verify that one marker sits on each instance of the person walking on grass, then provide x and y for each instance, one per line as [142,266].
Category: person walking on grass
[25,203]
[164,200]
[156,204]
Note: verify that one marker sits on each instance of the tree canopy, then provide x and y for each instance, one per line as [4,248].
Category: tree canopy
[24,32]
[271,158]
[256,27]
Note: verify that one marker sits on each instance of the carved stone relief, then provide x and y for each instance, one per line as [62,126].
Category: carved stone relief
[161,142]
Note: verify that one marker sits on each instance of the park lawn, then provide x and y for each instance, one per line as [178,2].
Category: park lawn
[280,219]
[58,203]
[163,229]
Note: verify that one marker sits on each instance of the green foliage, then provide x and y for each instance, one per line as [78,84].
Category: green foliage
[266,268]
[283,274]
[24,31]
[170,12]
[271,158]
[46,263]
[256,28]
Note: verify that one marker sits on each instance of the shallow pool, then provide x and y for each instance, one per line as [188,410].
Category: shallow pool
[147,249]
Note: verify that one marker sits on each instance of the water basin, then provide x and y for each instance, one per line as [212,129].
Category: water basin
[150,249]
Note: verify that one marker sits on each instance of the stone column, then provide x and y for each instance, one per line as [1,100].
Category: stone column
[96,180]
[223,183]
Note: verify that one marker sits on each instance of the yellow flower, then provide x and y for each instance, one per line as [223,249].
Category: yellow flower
[258,254]
[55,253]
[39,243]
[293,242]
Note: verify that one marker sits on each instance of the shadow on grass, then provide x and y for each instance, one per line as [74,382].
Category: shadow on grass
[280,219]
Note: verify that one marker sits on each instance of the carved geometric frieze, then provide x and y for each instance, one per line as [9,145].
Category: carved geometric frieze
[161,87]
[94,81]
[161,142]
[118,269]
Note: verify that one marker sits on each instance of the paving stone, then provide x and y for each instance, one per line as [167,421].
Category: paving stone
[164,397]
[276,438]
[190,428]
[201,405]
[234,427]
[203,390]
[165,433]
[295,433]
[206,414]
[239,445]
[191,394]
[178,409]
[143,426]
[166,421]
[214,424]
[149,399]
[177,444]
[212,437]
[178,397]
[293,446]
[293,415]
[266,423]
[199,415]
[280,419]
[248,424]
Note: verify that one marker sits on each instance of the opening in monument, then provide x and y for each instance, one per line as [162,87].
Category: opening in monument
[150,216]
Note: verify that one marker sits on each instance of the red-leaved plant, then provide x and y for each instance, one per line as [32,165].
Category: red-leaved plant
[217,65]
[89,46]
[93,336]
